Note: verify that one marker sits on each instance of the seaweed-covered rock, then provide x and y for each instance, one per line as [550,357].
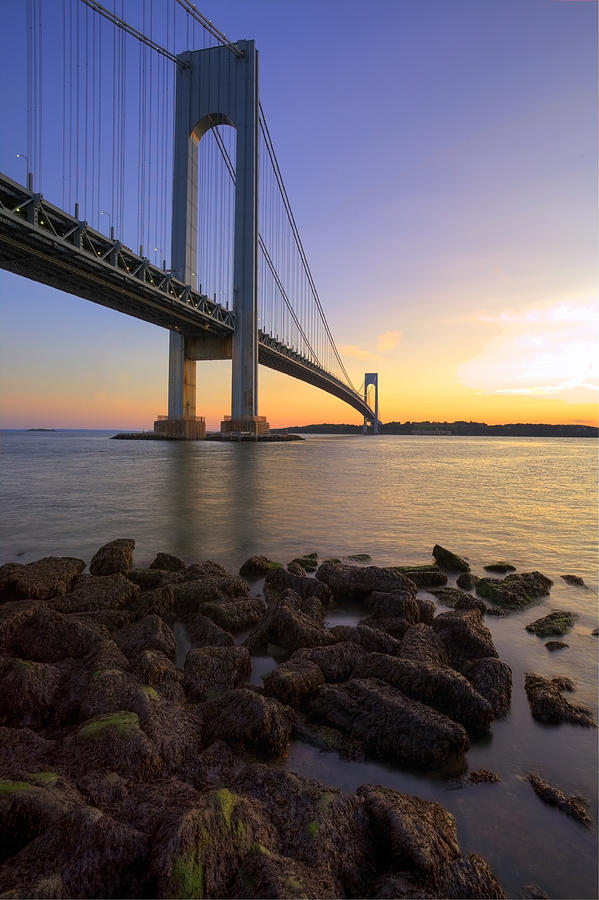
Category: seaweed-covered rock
[515,591]
[557,622]
[235,615]
[22,750]
[573,805]
[39,580]
[255,567]
[149,633]
[42,634]
[422,644]
[467,601]
[90,593]
[158,602]
[427,609]
[114,743]
[191,595]
[308,562]
[293,680]
[467,581]
[574,579]
[501,567]
[548,705]
[296,568]
[153,667]
[207,633]
[469,876]
[357,582]
[115,556]
[448,596]
[336,662]
[423,576]
[464,636]
[205,569]
[27,692]
[450,561]
[492,678]
[243,717]
[395,604]
[394,626]
[280,580]
[556,645]
[209,671]
[167,563]
[374,639]
[387,723]
[441,688]
[288,627]
[148,579]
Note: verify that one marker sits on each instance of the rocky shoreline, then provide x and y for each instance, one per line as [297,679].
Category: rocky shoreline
[126,776]
[271,438]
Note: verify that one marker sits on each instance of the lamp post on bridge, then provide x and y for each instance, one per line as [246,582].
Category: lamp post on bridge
[29,174]
[103,213]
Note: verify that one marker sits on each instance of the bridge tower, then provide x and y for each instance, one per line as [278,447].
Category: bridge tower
[372,378]
[217,86]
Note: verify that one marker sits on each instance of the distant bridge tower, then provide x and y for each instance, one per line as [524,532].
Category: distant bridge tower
[372,378]
[217,87]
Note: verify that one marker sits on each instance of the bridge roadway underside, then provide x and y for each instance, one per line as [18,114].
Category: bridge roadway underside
[36,254]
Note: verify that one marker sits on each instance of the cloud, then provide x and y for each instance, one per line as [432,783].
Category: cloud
[556,314]
[388,341]
[355,352]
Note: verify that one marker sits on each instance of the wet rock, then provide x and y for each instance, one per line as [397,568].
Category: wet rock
[336,662]
[293,680]
[148,579]
[22,750]
[467,601]
[557,622]
[255,567]
[115,556]
[387,723]
[352,583]
[427,609]
[45,635]
[167,563]
[442,689]
[209,671]
[288,627]
[375,640]
[92,592]
[469,877]
[206,569]
[514,591]
[296,568]
[394,626]
[595,632]
[574,579]
[492,678]
[464,636]
[235,615]
[450,561]
[448,596]
[501,568]
[548,705]
[280,580]
[535,892]
[158,602]
[422,644]
[423,576]
[112,690]
[243,717]
[207,633]
[191,595]
[27,692]
[396,604]
[153,667]
[113,743]
[467,581]
[149,633]
[29,806]
[40,580]
[573,805]
[556,645]
[483,776]
[309,562]
[359,557]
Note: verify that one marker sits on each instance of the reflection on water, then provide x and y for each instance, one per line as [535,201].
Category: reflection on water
[530,501]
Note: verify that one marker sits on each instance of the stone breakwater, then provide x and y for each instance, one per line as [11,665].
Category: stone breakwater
[125,776]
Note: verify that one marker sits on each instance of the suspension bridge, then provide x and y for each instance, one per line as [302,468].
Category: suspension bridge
[132,141]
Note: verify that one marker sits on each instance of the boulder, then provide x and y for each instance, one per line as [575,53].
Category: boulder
[148,579]
[296,568]
[352,583]
[464,637]
[288,627]
[206,569]
[27,692]
[308,562]
[441,688]
[255,567]
[167,563]
[90,593]
[514,591]
[111,690]
[235,615]
[556,645]
[500,567]
[421,644]
[153,667]
[574,806]
[557,622]
[397,604]
[427,609]
[388,724]
[45,635]
[243,717]
[394,626]
[209,671]
[467,581]
[293,680]
[449,596]
[280,580]
[191,595]
[149,633]
[450,561]
[548,705]
[467,601]
[336,662]
[469,876]
[115,556]
[113,743]
[22,750]
[492,678]
[423,576]
[574,579]
[158,602]
[40,580]
[207,633]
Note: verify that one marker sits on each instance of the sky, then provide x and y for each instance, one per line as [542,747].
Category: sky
[440,157]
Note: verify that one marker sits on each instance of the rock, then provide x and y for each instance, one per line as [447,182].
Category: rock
[423,576]
[574,579]
[427,609]
[492,678]
[40,580]
[296,568]
[281,579]
[483,776]
[469,877]
[557,622]
[308,563]
[449,596]
[293,680]
[373,639]
[235,615]
[288,627]
[500,567]
[207,633]
[556,645]
[209,671]
[421,644]
[441,688]
[467,581]
[158,602]
[255,567]
[148,579]
[387,723]
[394,626]
[149,633]
[113,742]
[464,637]
[514,591]
[535,892]
[167,563]
[467,601]
[396,604]
[22,750]
[45,635]
[112,690]
[595,632]
[548,705]
[192,595]
[350,583]
[573,806]
[206,569]
[450,561]
[243,717]
[115,556]
[153,667]
[90,593]
[336,663]
[27,692]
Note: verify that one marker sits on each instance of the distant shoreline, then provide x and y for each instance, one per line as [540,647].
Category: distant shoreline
[461,429]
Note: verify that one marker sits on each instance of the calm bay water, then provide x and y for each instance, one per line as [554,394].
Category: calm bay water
[530,501]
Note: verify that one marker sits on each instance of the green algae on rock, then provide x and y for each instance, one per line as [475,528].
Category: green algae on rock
[515,591]
[557,622]
[448,560]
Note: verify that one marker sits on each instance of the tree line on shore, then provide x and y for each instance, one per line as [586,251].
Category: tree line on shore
[453,428]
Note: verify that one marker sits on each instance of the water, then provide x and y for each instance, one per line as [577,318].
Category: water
[530,501]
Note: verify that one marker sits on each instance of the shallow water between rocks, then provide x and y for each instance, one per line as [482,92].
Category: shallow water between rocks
[531,501]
